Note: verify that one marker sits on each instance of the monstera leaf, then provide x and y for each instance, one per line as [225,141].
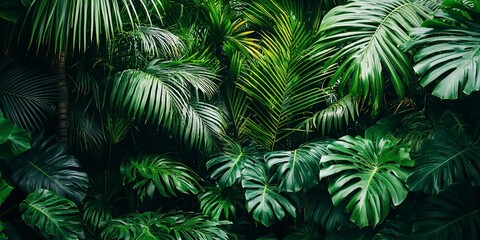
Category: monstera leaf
[55,217]
[449,158]
[161,173]
[5,190]
[262,197]
[452,214]
[448,49]
[13,140]
[227,168]
[47,165]
[367,173]
[220,203]
[298,169]
[367,33]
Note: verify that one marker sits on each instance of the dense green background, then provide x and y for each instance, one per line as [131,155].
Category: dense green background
[230,119]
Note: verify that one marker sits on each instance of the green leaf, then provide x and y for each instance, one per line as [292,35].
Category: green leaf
[452,214]
[368,174]
[97,211]
[367,33]
[55,217]
[220,203]
[448,50]
[298,169]
[47,165]
[5,191]
[13,140]
[444,160]
[263,199]
[162,173]
[227,168]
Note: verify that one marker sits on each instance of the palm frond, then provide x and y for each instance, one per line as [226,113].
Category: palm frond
[84,129]
[55,217]
[220,203]
[367,33]
[48,166]
[96,212]
[27,96]
[161,173]
[448,50]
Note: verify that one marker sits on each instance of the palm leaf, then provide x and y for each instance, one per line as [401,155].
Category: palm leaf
[27,96]
[370,174]
[220,203]
[262,197]
[448,50]
[84,129]
[96,212]
[444,160]
[452,214]
[227,168]
[367,33]
[55,217]
[284,83]
[298,169]
[161,173]
[47,165]
[13,140]
[72,26]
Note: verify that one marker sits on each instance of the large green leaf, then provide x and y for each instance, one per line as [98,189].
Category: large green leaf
[27,96]
[5,190]
[452,214]
[13,140]
[284,83]
[47,165]
[220,203]
[263,198]
[162,173]
[227,168]
[298,169]
[448,158]
[448,49]
[367,173]
[160,226]
[367,33]
[55,217]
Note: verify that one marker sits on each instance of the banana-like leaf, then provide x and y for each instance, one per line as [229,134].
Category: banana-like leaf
[161,226]
[298,169]
[13,140]
[220,203]
[27,96]
[367,173]
[227,168]
[444,160]
[452,214]
[367,33]
[48,166]
[263,198]
[55,217]
[448,50]
[162,173]
[284,84]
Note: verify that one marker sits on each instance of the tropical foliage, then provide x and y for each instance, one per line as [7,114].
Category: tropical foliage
[240,119]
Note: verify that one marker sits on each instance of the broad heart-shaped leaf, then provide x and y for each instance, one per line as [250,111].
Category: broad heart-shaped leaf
[162,173]
[55,217]
[262,197]
[368,174]
[298,169]
[227,168]
[367,33]
[13,140]
[448,50]
[452,214]
[446,159]
[47,165]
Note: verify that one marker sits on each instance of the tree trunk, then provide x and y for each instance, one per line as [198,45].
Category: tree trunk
[62,132]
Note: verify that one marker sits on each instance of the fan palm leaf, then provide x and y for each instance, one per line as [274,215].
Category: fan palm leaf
[448,50]
[367,33]
[444,160]
[48,166]
[27,96]
[55,217]
[369,173]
